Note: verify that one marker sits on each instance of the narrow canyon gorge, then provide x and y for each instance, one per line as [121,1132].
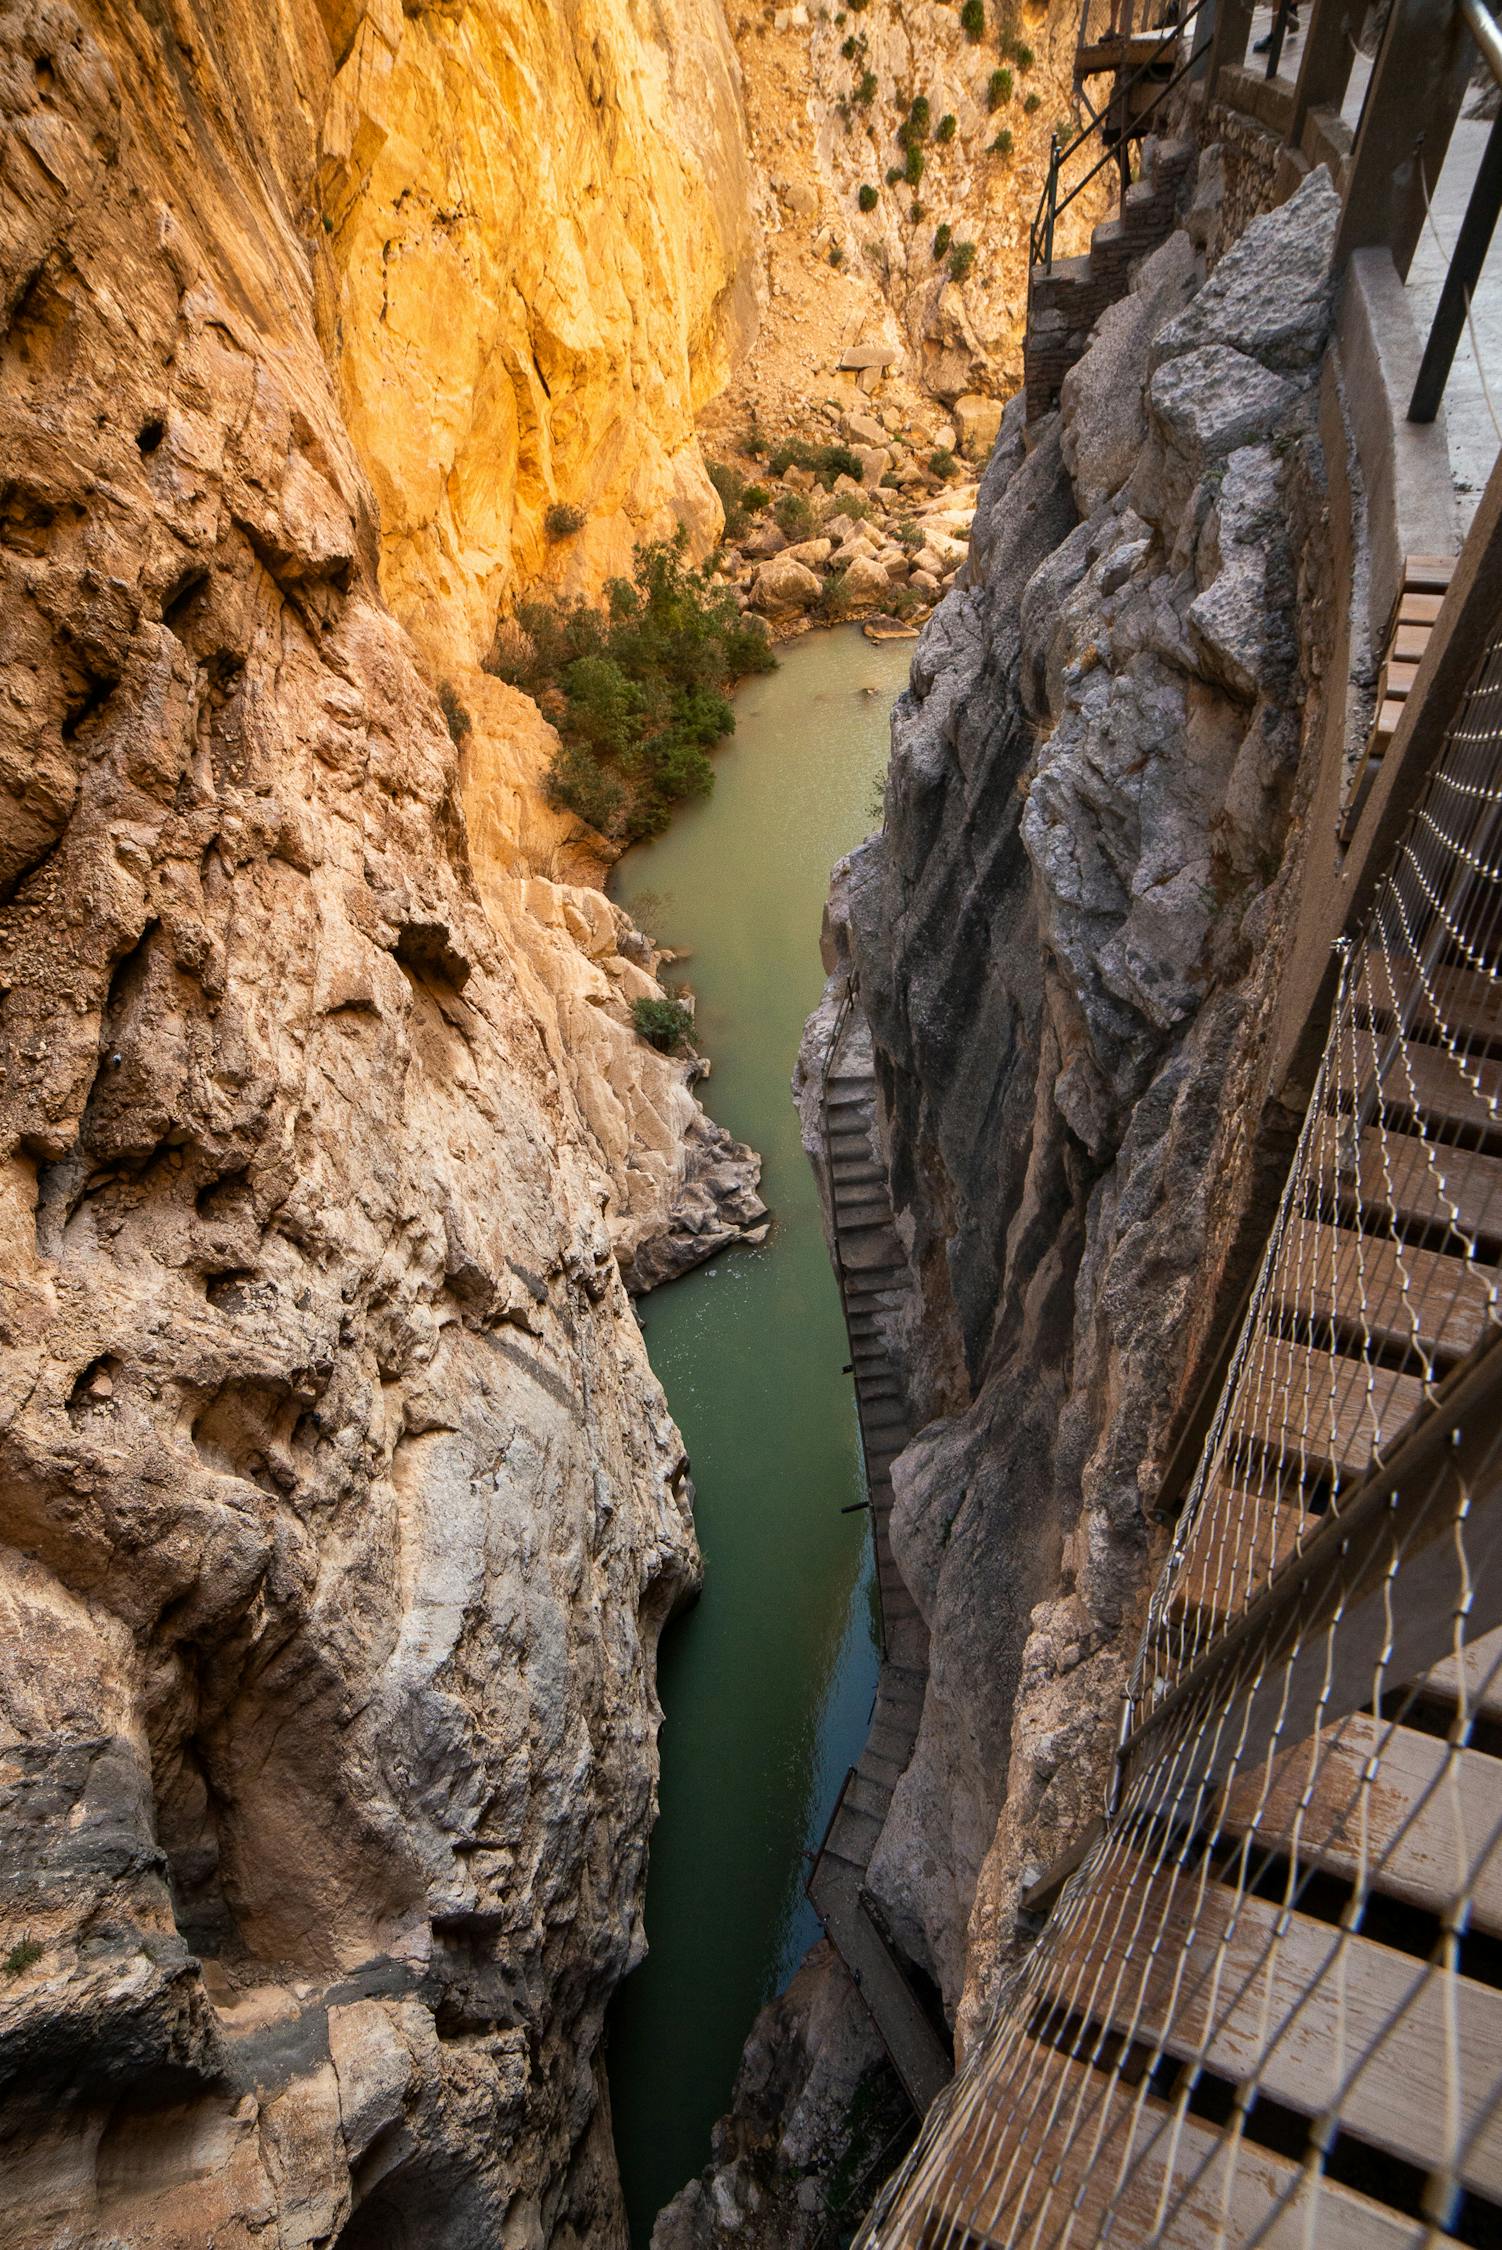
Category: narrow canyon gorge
[341,1508]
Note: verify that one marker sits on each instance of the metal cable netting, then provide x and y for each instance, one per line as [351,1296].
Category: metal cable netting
[1267,2007]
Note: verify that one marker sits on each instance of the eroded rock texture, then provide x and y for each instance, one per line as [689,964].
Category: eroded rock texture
[339,1510]
[1066,940]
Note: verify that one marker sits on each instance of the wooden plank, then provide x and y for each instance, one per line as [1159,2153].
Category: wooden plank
[1418,609]
[1424,1184]
[1397,1295]
[1480,1667]
[1005,2178]
[1432,1080]
[1448,999]
[1409,640]
[1428,574]
[1396,680]
[1367,1794]
[1295,2004]
[1320,1408]
[1236,1545]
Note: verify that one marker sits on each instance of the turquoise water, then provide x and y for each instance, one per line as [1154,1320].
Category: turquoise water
[767,1684]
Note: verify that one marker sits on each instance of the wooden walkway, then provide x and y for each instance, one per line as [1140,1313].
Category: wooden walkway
[873,1282]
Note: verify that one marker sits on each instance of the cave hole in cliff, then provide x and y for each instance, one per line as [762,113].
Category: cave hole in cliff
[188,1818]
[87,700]
[94,1388]
[150,435]
[181,595]
[245,1431]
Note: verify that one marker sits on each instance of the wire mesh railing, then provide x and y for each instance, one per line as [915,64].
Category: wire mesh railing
[1267,2007]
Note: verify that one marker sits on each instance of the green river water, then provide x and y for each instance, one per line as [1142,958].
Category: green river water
[767,1683]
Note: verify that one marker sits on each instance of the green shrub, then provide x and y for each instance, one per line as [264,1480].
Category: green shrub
[942,463]
[916,126]
[909,535]
[973,20]
[961,260]
[1031,104]
[664,1024]
[867,198]
[1022,54]
[740,500]
[562,521]
[865,92]
[794,516]
[943,236]
[455,717]
[946,127]
[826,461]
[636,688]
[915,212]
[912,170]
[837,253]
[894,175]
[1002,145]
[847,48]
[998,88]
[23,1955]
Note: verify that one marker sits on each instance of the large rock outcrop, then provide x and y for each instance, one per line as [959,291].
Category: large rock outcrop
[1066,942]
[339,1508]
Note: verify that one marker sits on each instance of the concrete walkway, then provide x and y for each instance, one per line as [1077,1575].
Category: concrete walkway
[1473,396]
[873,1276]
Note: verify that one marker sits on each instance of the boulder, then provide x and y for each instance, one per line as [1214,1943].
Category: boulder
[764,542]
[798,480]
[861,357]
[946,436]
[875,461]
[799,197]
[847,484]
[809,552]
[924,581]
[864,429]
[865,583]
[1270,295]
[841,527]
[1103,418]
[977,420]
[782,584]
[1209,402]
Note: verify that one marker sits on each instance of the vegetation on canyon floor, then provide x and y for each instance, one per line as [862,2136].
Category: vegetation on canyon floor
[636,689]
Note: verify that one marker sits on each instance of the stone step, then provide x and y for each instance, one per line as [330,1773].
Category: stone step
[854,1834]
[867,1794]
[885,1768]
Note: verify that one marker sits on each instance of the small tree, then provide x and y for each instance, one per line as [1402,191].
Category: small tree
[562,521]
[973,20]
[865,92]
[912,170]
[664,1024]
[998,88]
[867,198]
[1002,145]
[455,717]
[1031,104]
[961,260]
[946,127]
[943,236]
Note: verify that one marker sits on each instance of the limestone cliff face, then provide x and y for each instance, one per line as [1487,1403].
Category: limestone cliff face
[1066,941]
[541,226]
[339,1509]
[830,274]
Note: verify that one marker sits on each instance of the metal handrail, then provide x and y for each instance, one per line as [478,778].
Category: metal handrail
[1051,206]
[1472,243]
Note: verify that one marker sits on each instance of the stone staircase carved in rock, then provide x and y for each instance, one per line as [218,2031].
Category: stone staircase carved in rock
[1068,297]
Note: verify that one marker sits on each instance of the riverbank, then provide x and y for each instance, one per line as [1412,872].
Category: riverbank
[766,1684]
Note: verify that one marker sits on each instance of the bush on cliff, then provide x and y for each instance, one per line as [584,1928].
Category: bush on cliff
[636,689]
[664,1024]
